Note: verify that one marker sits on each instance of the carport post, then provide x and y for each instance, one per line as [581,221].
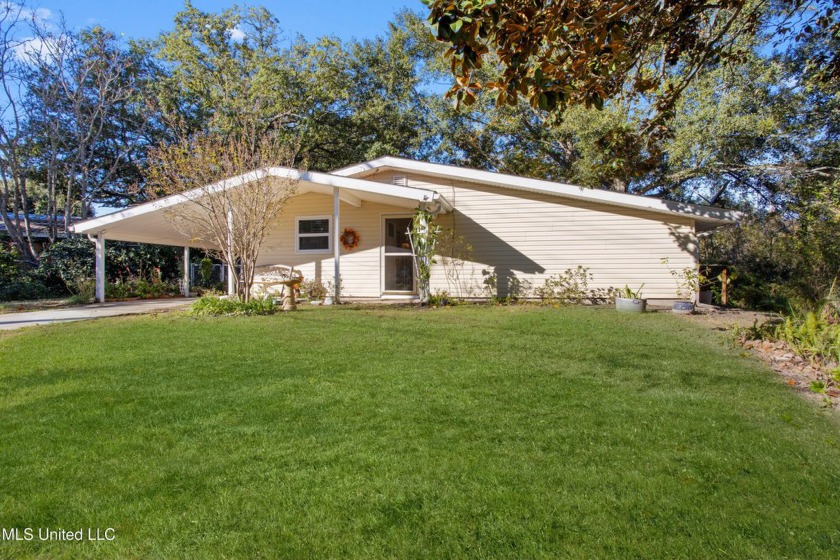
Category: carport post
[100,268]
[186,272]
[336,242]
[231,284]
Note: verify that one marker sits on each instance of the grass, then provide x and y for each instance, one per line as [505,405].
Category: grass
[453,433]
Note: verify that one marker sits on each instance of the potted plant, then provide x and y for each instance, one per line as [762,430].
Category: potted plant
[629,301]
[687,281]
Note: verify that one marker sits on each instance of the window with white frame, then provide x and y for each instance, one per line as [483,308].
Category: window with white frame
[312,234]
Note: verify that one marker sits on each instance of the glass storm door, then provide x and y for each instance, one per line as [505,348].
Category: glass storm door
[397,260]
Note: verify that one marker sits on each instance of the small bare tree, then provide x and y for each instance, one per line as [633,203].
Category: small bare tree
[231,200]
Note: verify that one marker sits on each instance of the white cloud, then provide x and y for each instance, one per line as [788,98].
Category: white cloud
[43,14]
[38,14]
[33,48]
[237,35]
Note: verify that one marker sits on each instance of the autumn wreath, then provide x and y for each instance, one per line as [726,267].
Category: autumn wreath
[349,239]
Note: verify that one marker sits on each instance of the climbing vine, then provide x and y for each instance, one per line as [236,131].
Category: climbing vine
[423,235]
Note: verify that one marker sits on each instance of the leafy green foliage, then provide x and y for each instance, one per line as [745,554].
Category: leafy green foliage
[206,271]
[136,287]
[572,286]
[313,289]
[780,260]
[340,102]
[629,293]
[214,306]
[811,334]
[69,259]
[424,237]
[441,298]
[84,290]
[18,280]
[557,54]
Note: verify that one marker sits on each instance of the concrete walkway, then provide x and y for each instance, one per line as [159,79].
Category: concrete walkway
[10,321]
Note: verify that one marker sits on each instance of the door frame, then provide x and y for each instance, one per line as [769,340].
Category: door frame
[382,240]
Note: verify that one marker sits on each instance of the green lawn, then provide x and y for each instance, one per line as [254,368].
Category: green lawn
[471,432]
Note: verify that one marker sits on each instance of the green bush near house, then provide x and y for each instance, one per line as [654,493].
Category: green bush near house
[215,306]
[457,432]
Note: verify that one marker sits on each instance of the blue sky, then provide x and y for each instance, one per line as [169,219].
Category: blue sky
[312,18]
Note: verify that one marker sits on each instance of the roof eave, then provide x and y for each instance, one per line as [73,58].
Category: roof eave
[96,225]
[705,214]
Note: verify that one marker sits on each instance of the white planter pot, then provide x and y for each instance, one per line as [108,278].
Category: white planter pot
[683,307]
[630,305]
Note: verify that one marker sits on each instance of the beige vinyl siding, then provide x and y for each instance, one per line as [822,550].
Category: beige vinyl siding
[528,237]
[360,267]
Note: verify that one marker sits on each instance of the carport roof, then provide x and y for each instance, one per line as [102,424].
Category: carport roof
[147,223]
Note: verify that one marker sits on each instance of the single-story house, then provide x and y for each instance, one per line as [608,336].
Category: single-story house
[510,232]
[39,226]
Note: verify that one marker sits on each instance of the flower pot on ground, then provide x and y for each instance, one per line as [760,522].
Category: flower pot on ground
[630,302]
[688,281]
[683,307]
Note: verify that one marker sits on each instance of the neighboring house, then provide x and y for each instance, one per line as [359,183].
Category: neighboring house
[520,231]
[39,226]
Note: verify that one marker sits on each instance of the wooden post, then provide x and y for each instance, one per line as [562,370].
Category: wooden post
[724,296]
[100,268]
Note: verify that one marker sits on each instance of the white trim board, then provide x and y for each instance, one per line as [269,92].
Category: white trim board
[709,216]
[312,180]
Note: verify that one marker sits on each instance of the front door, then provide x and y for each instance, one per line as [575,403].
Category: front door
[397,259]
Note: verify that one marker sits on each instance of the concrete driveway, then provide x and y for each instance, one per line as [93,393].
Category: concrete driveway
[10,321]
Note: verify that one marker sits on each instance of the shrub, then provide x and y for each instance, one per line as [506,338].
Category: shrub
[811,335]
[214,306]
[441,298]
[572,286]
[133,287]
[313,289]
[18,280]
[205,272]
[84,290]
[26,286]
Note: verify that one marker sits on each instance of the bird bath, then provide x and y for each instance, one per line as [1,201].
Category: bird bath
[281,275]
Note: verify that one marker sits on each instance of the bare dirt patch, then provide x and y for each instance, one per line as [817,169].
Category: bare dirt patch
[33,305]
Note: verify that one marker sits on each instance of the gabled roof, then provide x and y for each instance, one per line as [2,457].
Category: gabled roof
[706,217]
[353,191]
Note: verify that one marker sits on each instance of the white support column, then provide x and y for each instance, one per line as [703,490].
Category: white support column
[231,276]
[186,272]
[100,268]
[336,238]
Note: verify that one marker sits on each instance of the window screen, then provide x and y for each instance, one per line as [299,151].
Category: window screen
[313,234]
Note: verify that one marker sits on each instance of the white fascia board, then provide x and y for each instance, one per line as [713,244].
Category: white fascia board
[709,214]
[97,224]
[362,186]
[357,186]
